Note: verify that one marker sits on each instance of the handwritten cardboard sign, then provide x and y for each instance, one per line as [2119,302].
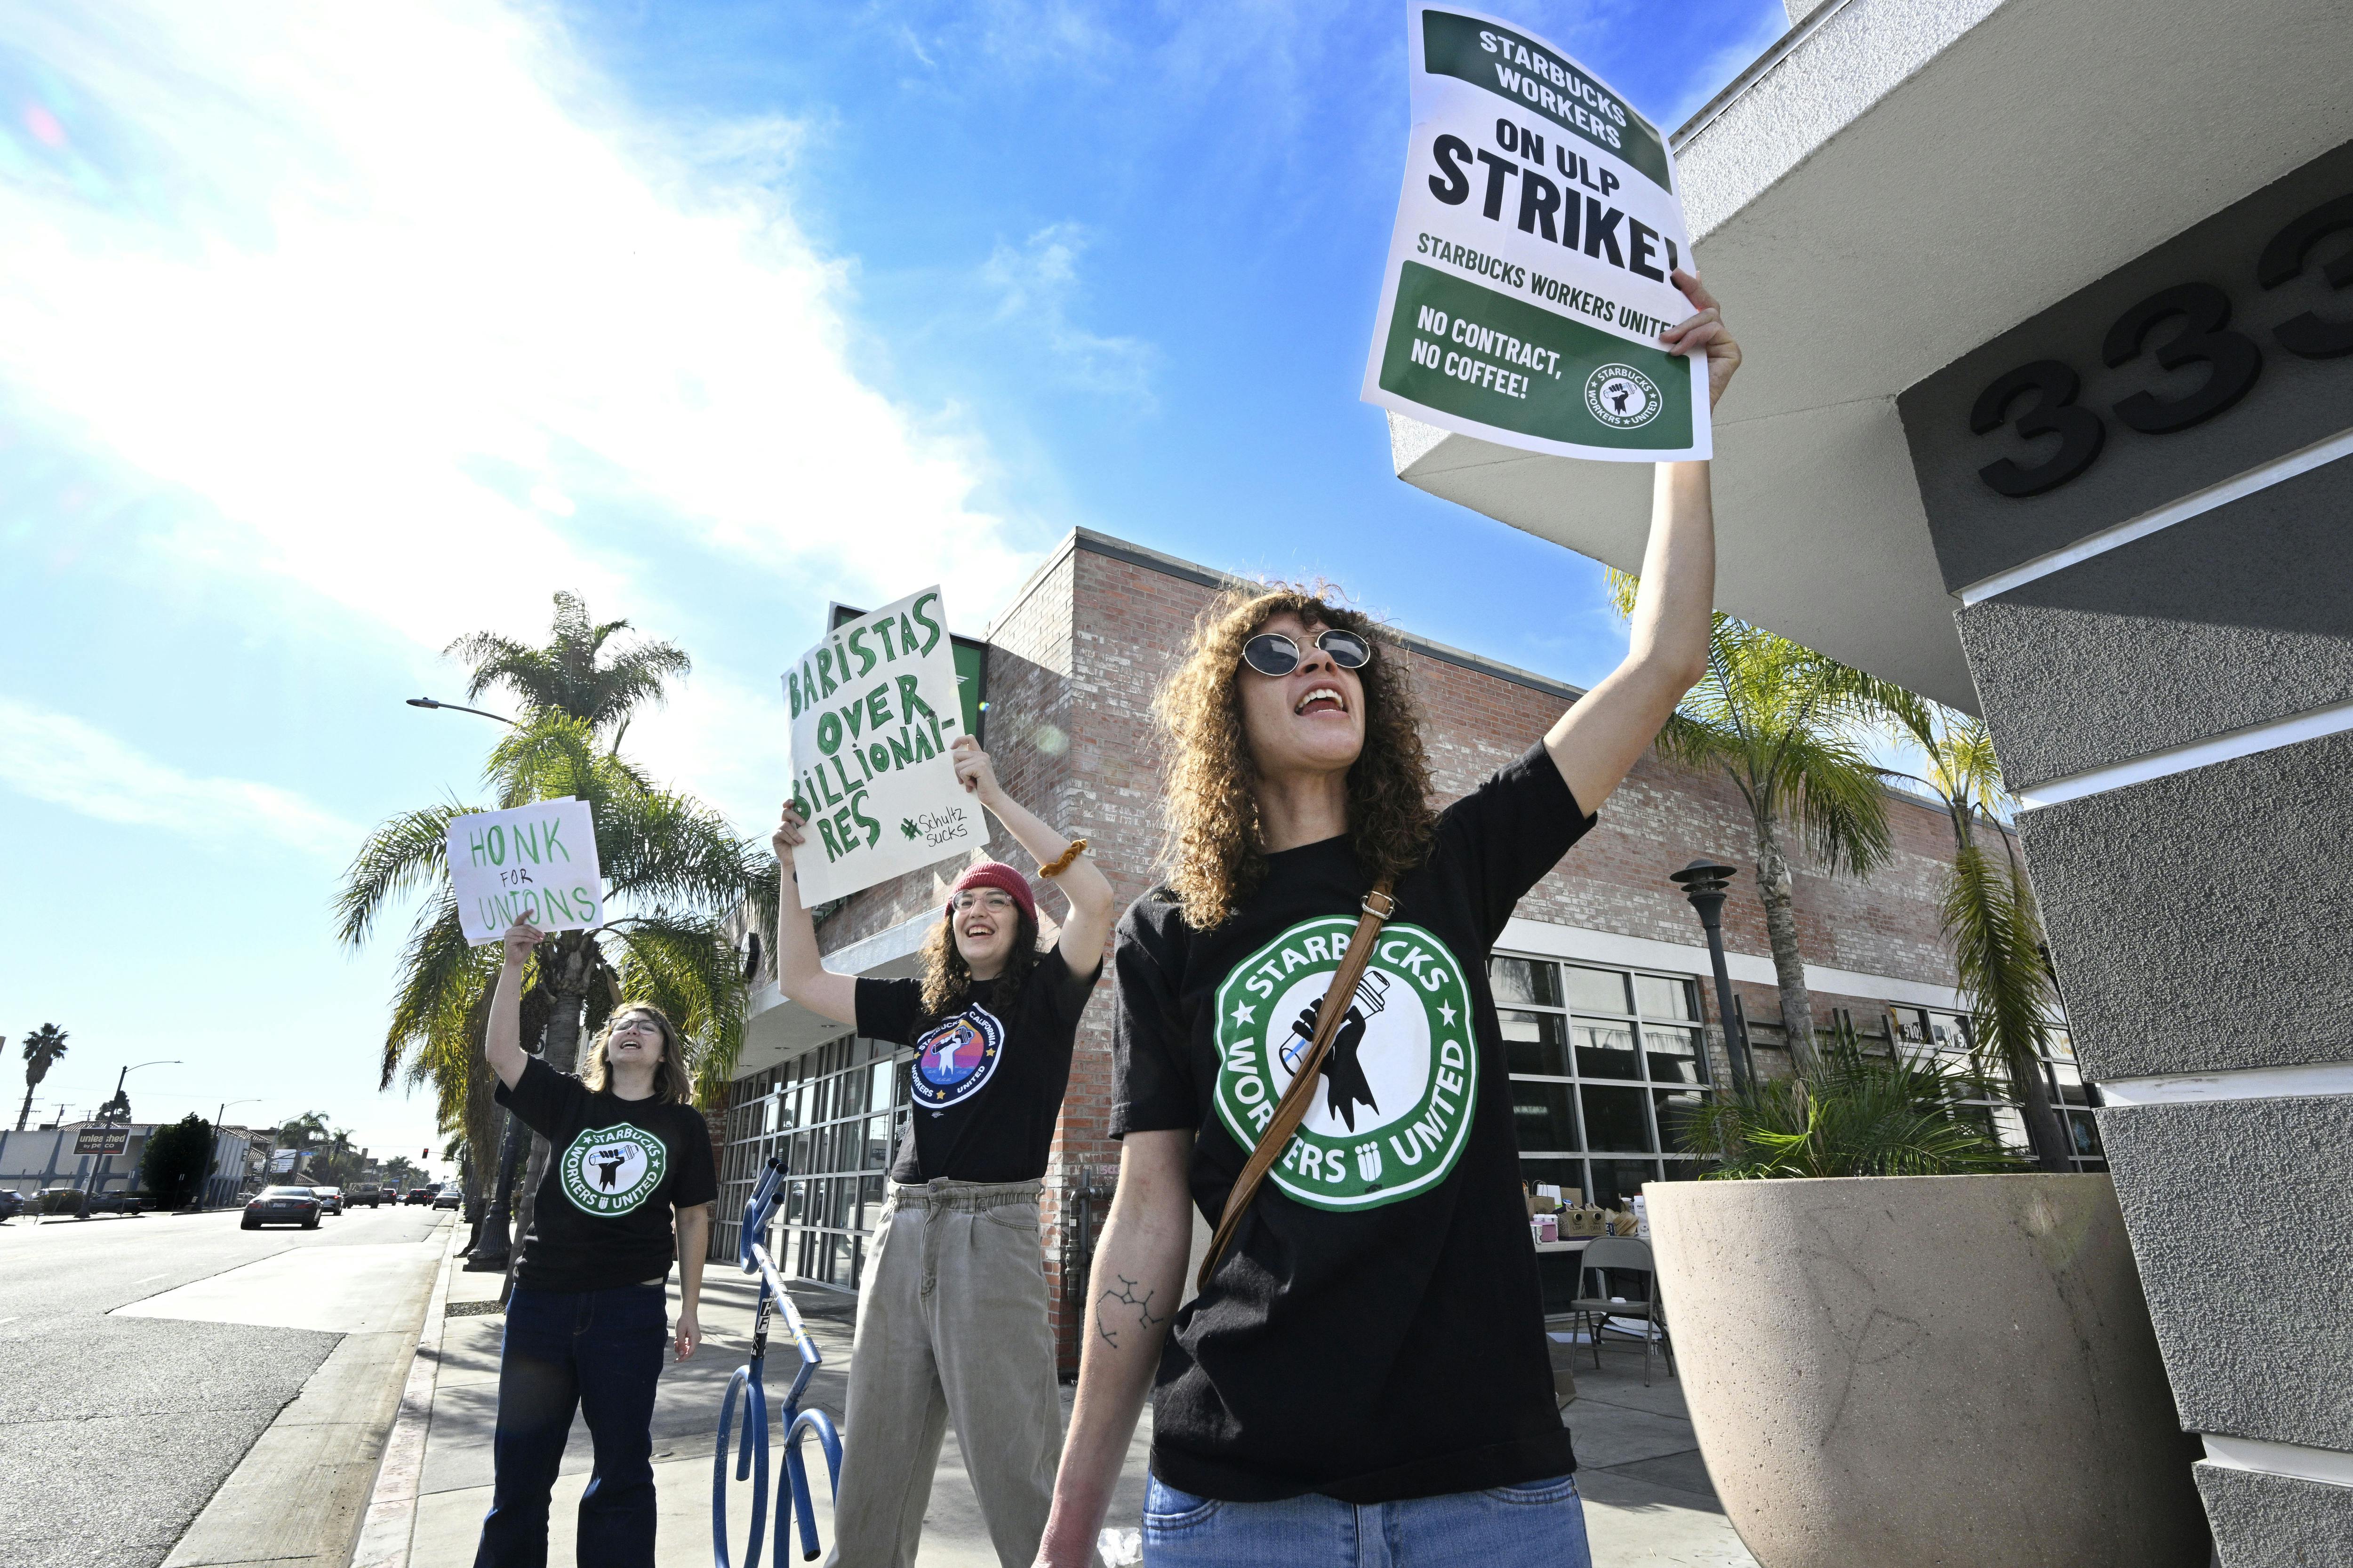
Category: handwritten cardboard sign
[874,711]
[536,861]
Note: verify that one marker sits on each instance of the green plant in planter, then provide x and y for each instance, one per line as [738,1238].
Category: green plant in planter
[1850,1114]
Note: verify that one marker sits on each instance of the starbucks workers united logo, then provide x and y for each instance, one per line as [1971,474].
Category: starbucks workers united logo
[1622,397]
[612,1170]
[1393,1111]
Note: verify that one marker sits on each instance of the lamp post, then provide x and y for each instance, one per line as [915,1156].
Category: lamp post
[1703,882]
[454,708]
[106,1113]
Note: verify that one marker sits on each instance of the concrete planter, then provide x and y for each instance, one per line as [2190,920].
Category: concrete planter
[1957,1371]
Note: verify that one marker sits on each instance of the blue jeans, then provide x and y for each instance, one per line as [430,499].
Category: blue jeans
[600,1352]
[1536,1524]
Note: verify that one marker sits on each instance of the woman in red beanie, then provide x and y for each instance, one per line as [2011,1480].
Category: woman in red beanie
[952,1312]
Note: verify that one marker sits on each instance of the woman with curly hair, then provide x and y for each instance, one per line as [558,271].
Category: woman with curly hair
[952,1314]
[1364,1376]
[628,1155]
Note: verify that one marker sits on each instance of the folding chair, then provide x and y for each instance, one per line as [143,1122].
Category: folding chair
[1630,1256]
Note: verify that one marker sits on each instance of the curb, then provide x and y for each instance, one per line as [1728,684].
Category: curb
[389,1524]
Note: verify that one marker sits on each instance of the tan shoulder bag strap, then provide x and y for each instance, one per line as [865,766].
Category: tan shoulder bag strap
[1291,1110]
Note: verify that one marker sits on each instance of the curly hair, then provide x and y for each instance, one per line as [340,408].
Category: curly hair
[670,1083]
[1215,854]
[947,978]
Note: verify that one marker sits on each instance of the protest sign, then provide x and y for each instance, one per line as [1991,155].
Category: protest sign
[874,711]
[537,862]
[1528,275]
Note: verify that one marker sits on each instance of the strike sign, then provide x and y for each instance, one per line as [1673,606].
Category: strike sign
[536,862]
[1528,276]
[874,710]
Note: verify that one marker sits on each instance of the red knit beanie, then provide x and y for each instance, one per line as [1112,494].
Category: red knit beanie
[998,875]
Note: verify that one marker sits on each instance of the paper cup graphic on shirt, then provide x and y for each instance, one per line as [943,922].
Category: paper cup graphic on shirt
[612,1170]
[955,1060]
[1393,1111]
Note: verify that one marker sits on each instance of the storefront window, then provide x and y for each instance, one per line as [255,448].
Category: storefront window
[1603,1064]
[837,1113]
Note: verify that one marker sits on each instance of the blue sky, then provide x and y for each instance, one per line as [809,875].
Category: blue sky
[327,335]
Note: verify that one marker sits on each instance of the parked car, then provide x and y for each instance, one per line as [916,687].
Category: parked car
[452,1196]
[331,1199]
[419,1196]
[367,1193]
[12,1203]
[113,1202]
[283,1206]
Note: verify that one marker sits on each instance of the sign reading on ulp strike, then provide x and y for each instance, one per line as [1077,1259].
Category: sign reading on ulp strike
[535,862]
[1528,277]
[874,711]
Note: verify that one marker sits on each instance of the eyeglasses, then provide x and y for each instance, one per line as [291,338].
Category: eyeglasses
[1272,653]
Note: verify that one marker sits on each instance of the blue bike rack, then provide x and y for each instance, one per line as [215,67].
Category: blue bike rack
[752,1452]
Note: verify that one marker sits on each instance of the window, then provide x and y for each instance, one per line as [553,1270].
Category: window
[1948,1035]
[1604,1063]
[834,1114]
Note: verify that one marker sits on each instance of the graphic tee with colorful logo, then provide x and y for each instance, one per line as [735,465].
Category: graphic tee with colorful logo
[1400,1079]
[612,1170]
[954,1060]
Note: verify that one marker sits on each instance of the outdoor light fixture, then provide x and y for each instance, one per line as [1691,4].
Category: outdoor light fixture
[454,708]
[1703,882]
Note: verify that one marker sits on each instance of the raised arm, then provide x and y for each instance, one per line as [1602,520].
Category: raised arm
[1087,888]
[1599,740]
[800,968]
[1138,1274]
[503,1040]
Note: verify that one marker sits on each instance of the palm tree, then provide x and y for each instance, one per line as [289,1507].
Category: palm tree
[1782,722]
[1849,1114]
[673,872]
[43,1046]
[1989,913]
[298,1132]
[563,676]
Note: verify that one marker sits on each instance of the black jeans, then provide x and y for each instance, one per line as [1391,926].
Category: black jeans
[599,1351]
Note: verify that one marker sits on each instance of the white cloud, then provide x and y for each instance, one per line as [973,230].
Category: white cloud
[1035,284]
[327,267]
[56,758]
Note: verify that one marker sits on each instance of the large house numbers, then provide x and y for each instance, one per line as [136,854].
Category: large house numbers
[2187,324]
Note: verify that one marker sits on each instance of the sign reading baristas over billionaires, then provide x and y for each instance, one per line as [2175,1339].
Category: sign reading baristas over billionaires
[1528,277]
[535,862]
[874,711]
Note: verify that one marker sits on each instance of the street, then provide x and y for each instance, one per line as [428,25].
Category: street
[117,1427]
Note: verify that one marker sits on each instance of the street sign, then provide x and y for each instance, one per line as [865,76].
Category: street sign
[101,1139]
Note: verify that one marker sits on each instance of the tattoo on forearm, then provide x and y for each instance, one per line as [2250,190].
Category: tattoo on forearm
[1126,1297]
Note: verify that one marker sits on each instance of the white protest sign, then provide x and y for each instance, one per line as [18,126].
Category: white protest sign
[536,861]
[1527,279]
[875,709]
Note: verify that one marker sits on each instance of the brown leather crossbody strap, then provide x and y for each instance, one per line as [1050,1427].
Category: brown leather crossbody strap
[1291,1109]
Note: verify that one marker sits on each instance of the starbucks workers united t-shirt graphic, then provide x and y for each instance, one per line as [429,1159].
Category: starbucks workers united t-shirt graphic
[612,1170]
[1393,1111]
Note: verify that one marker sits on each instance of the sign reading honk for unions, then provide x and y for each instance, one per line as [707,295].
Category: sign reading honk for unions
[874,711]
[1529,274]
[535,862]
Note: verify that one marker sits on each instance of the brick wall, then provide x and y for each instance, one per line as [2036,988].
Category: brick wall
[1073,665]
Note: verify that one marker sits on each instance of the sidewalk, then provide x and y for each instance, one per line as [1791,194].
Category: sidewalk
[1648,1502]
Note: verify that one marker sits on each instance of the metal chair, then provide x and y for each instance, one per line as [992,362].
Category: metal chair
[1634,1257]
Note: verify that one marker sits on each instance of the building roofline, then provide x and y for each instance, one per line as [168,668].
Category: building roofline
[1104,544]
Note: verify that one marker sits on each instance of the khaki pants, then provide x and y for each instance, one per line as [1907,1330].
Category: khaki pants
[950,1324]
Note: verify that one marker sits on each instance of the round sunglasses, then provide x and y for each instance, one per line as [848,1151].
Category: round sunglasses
[1272,653]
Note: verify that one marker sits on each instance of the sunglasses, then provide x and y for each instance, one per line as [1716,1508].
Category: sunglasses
[1271,653]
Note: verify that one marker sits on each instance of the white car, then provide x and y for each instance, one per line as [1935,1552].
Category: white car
[452,1196]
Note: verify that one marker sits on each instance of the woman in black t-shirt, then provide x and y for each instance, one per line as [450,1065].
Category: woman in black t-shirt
[1366,1361]
[589,1313]
[952,1308]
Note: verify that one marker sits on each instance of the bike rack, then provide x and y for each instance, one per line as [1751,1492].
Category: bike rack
[752,1452]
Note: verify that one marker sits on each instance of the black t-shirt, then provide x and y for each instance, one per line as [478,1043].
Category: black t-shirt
[986,1082]
[1376,1331]
[616,1168]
